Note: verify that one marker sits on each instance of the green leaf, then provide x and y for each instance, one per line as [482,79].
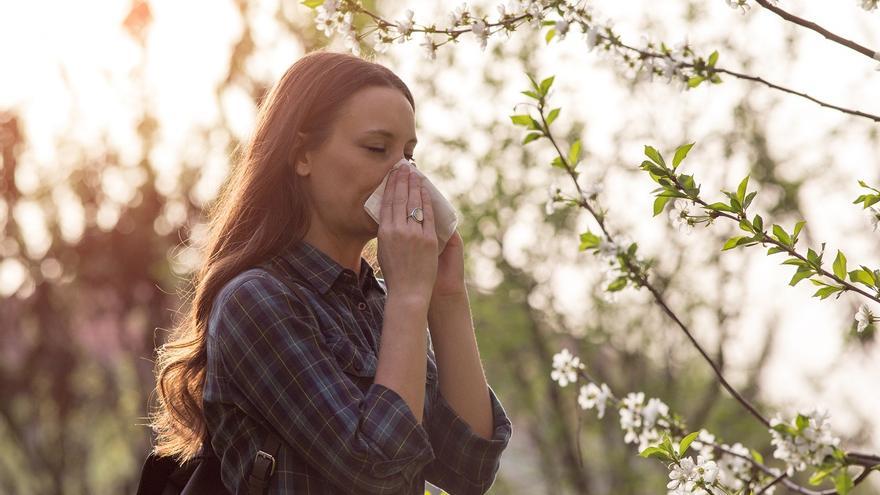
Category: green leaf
[531,94]
[781,235]
[757,456]
[654,155]
[749,197]
[713,58]
[758,222]
[733,242]
[618,284]
[840,265]
[802,422]
[719,207]
[589,240]
[715,79]
[797,229]
[820,474]
[574,152]
[680,154]
[774,250]
[741,190]
[799,275]
[686,442]
[659,204]
[535,85]
[814,258]
[653,169]
[546,83]
[655,452]
[552,116]
[695,81]
[531,137]
[843,483]
[549,36]
[312,3]
[558,163]
[521,119]
[824,292]
[862,276]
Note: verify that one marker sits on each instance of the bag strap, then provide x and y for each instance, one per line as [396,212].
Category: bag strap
[264,463]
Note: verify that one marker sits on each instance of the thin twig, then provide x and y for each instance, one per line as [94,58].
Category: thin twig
[643,280]
[819,29]
[515,22]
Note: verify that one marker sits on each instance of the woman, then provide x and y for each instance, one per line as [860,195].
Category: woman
[360,396]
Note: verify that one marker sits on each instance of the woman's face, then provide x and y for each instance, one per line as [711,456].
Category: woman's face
[374,130]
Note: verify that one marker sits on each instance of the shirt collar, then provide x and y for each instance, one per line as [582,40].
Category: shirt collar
[321,271]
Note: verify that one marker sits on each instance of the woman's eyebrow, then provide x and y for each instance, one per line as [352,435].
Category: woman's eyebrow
[389,134]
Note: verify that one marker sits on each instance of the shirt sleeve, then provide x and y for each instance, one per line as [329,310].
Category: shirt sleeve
[273,351]
[465,463]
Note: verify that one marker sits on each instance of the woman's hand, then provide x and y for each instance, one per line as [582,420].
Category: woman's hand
[450,271]
[407,250]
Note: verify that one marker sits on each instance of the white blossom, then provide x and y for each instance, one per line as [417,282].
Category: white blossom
[429,47]
[733,470]
[607,248]
[459,14]
[405,25]
[565,367]
[706,470]
[703,443]
[481,31]
[562,28]
[536,13]
[326,21]
[680,217]
[349,34]
[591,191]
[593,396]
[681,474]
[743,5]
[864,318]
[654,410]
[874,215]
[592,36]
[808,447]
[550,206]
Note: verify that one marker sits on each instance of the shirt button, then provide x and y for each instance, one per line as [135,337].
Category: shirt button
[362,306]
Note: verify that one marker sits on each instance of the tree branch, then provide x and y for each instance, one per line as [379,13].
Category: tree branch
[872,54]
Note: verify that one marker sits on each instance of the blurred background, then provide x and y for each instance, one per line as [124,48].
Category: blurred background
[118,120]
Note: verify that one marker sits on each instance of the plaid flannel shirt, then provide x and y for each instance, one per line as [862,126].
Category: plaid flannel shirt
[306,371]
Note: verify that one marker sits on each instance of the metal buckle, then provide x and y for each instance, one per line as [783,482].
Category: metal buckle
[269,458]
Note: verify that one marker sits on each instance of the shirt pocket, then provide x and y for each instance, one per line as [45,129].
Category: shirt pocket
[361,363]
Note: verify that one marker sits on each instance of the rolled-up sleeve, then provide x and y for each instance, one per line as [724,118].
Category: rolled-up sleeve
[465,463]
[272,350]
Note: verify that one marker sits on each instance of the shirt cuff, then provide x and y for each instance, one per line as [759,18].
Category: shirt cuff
[457,446]
[394,431]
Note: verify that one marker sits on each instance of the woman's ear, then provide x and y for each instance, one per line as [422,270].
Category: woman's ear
[302,166]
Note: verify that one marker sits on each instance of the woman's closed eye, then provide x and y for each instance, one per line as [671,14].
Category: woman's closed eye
[382,150]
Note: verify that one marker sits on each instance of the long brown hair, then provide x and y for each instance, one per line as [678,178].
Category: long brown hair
[259,211]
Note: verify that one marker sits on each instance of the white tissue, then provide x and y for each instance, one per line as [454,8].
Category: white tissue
[445,215]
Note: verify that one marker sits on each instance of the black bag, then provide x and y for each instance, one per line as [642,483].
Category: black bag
[162,475]
[201,475]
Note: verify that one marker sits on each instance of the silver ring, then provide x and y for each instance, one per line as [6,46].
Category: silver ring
[417,214]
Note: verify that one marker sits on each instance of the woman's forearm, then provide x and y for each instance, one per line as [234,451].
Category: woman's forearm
[402,356]
[462,381]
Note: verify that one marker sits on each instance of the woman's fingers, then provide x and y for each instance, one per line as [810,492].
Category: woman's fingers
[399,200]
[414,198]
[388,197]
[427,208]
